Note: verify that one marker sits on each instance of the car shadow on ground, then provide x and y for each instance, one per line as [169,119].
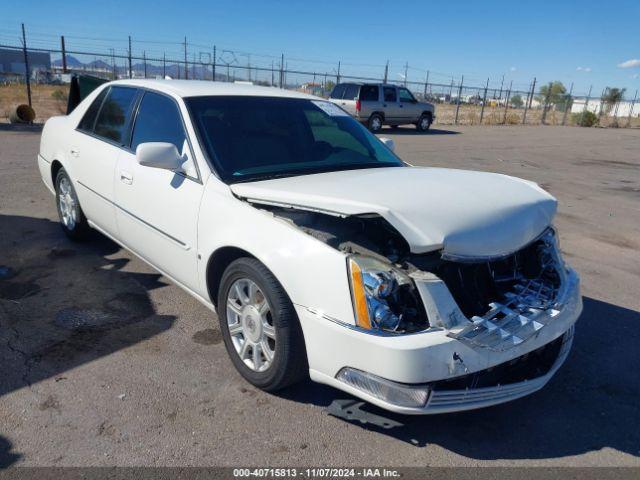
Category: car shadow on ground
[64,304]
[410,130]
[7,457]
[591,403]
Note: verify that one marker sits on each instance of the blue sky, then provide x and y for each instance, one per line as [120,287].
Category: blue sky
[581,42]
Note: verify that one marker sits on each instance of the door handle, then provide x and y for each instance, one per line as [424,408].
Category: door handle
[74,151]
[126,177]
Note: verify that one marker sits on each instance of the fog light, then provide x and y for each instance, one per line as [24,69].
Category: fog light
[391,392]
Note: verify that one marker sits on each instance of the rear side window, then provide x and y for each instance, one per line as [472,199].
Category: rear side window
[338,90]
[351,92]
[115,114]
[369,93]
[158,120]
[89,118]
[390,94]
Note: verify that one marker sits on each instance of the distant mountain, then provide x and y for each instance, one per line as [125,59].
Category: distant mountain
[72,62]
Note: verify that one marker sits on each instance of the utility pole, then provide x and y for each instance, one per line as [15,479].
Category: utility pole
[386,72]
[27,75]
[213,68]
[186,64]
[64,55]
[406,68]
[130,69]
[527,104]
[426,82]
[458,100]
[566,105]
[484,100]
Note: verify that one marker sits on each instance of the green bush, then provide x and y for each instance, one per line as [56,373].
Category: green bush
[585,119]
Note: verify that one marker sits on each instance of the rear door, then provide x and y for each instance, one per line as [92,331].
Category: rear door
[94,151]
[370,100]
[390,104]
[158,209]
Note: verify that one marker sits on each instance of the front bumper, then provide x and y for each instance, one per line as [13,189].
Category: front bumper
[431,356]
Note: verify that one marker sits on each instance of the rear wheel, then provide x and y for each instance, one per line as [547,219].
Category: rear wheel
[424,122]
[375,123]
[72,219]
[260,327]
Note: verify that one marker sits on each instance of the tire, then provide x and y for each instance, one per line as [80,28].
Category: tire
[375,123]
[424,122]
[72,219]
[289,359]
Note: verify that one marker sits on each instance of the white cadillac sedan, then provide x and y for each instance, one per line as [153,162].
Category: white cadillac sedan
[420,290]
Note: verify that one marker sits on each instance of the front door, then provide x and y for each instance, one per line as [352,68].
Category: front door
[390,104]
[158,209]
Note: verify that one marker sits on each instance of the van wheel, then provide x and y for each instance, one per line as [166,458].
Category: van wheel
[260,328]
[72,219]
[375,123]
[424,122]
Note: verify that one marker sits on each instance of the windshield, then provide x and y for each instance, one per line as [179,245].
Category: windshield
[256,138]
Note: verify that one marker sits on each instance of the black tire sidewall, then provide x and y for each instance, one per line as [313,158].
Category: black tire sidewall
[419,124]
[285,368]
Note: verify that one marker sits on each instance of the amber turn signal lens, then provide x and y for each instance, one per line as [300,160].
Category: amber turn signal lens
[359,298]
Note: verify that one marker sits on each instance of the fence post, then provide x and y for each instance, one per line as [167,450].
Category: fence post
[386,71]
[546,104]
[527,104]
[64,54]
[186,63]
[130,70]
[426,83]
[213,67]
[27,74]
[458,100]
[506,103]
[566,105]
[164,65]
[501,85]
[635,95]
[144,62]
[113,65]
[484,100]
[406,68]
[338,75]
[586,105]
[281,69]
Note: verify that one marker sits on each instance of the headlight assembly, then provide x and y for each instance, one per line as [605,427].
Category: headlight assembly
[384,297]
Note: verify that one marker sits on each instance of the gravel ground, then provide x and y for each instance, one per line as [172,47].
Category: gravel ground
[104,362]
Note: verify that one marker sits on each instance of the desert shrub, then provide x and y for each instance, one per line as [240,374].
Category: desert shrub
[585,119]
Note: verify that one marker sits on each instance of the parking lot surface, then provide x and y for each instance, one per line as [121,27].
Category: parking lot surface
[104,362]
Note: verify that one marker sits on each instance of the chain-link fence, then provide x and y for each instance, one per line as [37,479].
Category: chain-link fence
[50,61]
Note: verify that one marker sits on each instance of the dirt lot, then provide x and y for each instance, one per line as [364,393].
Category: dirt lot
[103,362]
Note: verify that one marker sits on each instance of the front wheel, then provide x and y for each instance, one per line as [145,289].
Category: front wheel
[260,327]
[72,219]
[375,123]
[424,122]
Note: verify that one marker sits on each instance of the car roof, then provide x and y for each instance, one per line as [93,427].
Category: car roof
[198,88]
[378,84]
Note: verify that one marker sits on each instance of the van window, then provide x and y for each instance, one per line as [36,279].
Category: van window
[115,114]
[390,94]
[369,93]
[351,92]
[406,96]
[338,90]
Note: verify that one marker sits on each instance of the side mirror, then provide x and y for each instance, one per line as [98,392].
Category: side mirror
[390,144]
[159,155]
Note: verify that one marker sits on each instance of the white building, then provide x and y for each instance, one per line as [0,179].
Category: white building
[622,109]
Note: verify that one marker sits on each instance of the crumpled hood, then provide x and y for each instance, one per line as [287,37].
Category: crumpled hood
[466,213]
